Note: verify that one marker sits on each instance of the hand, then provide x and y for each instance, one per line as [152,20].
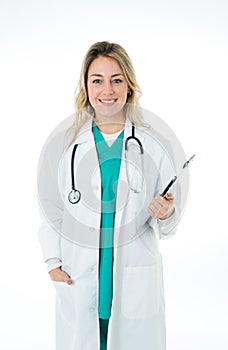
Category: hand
[162,207]
[57,275]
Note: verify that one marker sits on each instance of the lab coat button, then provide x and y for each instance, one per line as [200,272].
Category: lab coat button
[92,229]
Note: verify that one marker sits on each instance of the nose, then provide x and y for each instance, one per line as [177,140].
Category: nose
[108,88]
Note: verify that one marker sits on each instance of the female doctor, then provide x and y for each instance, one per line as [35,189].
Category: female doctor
[101,243]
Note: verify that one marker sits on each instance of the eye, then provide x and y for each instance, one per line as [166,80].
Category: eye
[117,81]
[96,81]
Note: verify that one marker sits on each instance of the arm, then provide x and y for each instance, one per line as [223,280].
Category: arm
[164,210]
[51,205]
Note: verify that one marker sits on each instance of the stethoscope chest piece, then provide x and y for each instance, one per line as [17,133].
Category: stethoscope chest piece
[74,196]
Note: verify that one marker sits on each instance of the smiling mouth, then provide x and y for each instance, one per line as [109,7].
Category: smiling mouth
[108,101]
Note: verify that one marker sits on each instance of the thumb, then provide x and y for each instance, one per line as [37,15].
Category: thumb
[67,278]
[169,196]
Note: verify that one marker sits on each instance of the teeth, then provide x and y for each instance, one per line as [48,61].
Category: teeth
[107,101]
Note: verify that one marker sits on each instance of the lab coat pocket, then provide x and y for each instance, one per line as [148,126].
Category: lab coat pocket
[65,308]
[141,292]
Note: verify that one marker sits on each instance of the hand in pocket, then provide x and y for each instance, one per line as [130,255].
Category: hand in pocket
[57,275]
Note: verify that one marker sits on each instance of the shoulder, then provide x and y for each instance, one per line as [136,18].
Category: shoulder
[156,146]
[153,139]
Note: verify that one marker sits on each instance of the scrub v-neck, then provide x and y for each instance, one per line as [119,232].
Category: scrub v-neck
[109,161]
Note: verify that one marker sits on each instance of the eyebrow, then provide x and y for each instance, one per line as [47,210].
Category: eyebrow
[100,75]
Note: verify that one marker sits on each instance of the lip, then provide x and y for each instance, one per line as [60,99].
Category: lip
[107,101]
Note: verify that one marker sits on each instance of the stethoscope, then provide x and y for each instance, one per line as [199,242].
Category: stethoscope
[75,195]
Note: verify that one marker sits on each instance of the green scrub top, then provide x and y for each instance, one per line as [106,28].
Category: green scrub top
[109,160]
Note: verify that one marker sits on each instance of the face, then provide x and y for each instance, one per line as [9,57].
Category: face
[107,88]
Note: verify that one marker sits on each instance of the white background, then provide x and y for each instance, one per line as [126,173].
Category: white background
[180,52]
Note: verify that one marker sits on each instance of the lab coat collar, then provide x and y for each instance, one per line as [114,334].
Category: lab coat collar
[85,133]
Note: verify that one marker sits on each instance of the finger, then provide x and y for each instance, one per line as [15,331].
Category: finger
[160,208]
[169,196]
[154,209]
[152,213]
[57,275]
[157,202]
[167,214]
[66,278]
[160,205]
[69,281]
[155,206]
[159,199]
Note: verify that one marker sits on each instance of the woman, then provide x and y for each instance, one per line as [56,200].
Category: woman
[102,247]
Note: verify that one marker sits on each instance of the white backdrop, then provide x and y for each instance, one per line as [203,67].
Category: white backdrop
[180,52]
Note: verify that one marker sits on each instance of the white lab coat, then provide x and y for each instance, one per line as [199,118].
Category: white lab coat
[138,311]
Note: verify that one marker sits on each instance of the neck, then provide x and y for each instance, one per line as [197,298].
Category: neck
[109,126]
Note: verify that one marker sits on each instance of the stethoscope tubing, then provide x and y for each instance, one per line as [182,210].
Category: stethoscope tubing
[133,137]
[75,195]
[72,167]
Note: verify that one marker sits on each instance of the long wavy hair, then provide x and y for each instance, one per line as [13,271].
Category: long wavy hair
[84,110]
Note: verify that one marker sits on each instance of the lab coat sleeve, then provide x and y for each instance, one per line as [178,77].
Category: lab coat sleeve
[49,241]
[50,201]
[53,263]
[166,228]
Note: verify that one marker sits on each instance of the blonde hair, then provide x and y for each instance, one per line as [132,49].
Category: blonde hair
[84,110]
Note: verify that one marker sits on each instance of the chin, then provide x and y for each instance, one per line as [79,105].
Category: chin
[110,112]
